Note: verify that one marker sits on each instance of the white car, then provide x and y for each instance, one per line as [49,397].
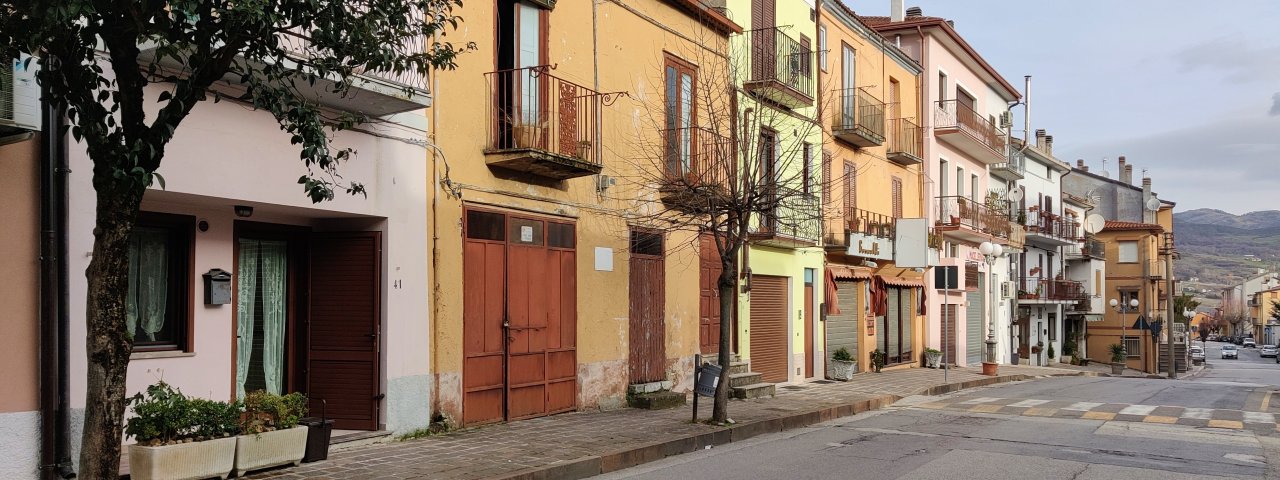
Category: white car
[1229,351]
[1267,351]
[1249,343]
[1197,355]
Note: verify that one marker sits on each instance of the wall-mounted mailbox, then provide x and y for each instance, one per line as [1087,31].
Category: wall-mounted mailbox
[217,287]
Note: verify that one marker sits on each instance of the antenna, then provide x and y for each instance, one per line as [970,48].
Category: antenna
[1094,223]
[1153,204]
[1015,195]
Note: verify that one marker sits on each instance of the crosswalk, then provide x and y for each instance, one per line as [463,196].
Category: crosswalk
[1112,412]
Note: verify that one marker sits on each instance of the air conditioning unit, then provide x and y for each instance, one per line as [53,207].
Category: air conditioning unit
[1006,119]
[1006,290]
[19,96]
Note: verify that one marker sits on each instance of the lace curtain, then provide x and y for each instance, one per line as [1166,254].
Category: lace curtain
[263,264]
[145,304]
[247,287]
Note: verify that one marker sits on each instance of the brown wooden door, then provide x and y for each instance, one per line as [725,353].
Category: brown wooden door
[709,296]
[343,332]
[949,322]
[808,330]
[647,330]
[769,332]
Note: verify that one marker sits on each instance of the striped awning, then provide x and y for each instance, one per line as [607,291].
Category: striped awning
[841,272]
[903,282]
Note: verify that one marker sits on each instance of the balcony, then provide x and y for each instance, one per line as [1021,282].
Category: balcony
[1017,236]
[698,165]
[964,219]
[869,234]
[791,223]
[1043,290]
[1090,249]
[1153,270]
[781,68]
[1012,170]
[542,125]
[969,132]
[859,120]
[1047,229]
[905,142]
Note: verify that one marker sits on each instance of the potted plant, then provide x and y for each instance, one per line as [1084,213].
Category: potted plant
[842,365]
[1117,359]
[877,360]
[269,432]
[932,357]
[180,437]
[1051,353]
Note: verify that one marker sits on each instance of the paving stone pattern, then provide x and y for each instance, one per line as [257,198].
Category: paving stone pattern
[577,445]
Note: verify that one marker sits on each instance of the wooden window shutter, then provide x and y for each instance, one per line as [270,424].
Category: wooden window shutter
[850,188]
[806,61]
[897,197]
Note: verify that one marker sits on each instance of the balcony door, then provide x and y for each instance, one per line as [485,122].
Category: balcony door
[848,82]
[521,47]
[678,77]
[768,152]
[764,58]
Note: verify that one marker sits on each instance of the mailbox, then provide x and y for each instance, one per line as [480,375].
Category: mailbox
[217,287]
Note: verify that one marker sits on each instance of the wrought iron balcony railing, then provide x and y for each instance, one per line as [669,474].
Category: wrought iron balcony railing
[532,109]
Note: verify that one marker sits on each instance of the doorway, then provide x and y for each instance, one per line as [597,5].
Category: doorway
[647,329]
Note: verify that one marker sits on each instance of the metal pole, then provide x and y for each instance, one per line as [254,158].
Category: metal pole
[1168,275]
[946,294]
[991,324]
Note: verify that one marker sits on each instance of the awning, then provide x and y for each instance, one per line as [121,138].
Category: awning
[903,282]
[1092,317]
[840,272]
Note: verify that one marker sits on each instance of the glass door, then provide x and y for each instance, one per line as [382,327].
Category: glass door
[261,315]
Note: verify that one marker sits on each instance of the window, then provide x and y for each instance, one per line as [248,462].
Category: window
[157,313]
[959,181]
[822,47]
[768,157]
[942,87]
[1126,296]
[807,169]
[1128,251]
[1133,347]
[848,82]
[646,243]
[897,197]
[973,187]
[850,188]
[965,100]
[942,180]
[1097,283]
[680,115]
[806,56]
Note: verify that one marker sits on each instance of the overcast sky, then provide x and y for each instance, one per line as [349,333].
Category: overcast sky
[1189,90]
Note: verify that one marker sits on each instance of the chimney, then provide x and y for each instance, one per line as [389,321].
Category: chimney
[915,12]
[1039,137]
[1080,165]
[1128,175]
[896,13]
[1147,215]
[1048,145]
[1120,171]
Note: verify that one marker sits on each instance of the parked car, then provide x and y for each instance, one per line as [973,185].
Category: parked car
[1197,355]
[1249,343]
[1212,338]
[1267,351]
[1229,351]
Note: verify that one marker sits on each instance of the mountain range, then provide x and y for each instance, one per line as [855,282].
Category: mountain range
[1218,247]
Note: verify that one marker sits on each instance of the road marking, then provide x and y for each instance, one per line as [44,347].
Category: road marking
[1266,401]
[1138,410]
[979,400]
[1198,413]
[1243,457]
[933,405]
[986,409]
[1040,412]
[1259,417]
[1029,403]
[1226,424]
[1098,415]
[1084,406]
[1160,419]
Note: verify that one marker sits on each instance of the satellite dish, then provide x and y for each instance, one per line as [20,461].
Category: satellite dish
[1153,204]
[1015,195]
[1094,223]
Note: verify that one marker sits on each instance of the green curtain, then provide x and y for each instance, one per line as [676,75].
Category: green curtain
[273,257]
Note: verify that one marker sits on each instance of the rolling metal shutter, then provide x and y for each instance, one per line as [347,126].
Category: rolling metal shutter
[842,329]
[768,327]
[891,331]
[973,313]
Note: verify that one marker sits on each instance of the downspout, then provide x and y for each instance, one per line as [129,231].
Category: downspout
[54,320]
[433,217]
[922,93]
[822,157]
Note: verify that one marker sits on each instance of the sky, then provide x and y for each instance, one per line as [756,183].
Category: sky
[1188,90]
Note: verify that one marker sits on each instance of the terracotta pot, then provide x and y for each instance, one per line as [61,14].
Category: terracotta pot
[989,369]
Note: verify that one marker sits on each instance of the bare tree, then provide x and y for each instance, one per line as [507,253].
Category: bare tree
[719,156]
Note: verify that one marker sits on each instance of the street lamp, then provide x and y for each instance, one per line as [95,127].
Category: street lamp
[1133,302]
[992,252]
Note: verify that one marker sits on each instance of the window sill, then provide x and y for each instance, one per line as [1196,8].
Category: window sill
[160,354]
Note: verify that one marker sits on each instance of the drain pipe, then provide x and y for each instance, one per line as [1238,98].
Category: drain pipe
[54,320]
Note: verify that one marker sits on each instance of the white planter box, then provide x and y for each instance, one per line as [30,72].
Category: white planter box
[841,370]
[270,449]
[932,360]
[184,461]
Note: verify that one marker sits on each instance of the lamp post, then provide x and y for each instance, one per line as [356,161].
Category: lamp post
[992,252]
[1133,303]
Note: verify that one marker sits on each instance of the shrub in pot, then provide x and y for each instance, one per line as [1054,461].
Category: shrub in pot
[842,365]
[1117,358]
[269,432]
[180,437]
[932,357]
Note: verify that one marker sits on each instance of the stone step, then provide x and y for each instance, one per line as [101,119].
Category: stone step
[755,390]
[738,367]
[743,379]
[656,400]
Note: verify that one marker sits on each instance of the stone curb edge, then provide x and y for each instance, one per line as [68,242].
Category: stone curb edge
[599,464]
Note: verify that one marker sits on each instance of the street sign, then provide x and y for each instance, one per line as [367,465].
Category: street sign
[946,277]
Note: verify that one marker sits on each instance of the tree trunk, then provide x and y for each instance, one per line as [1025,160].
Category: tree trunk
[108,344]
[728,296]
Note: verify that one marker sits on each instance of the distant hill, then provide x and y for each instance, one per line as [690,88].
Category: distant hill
[1214,244]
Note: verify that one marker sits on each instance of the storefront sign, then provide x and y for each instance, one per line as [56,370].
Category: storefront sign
[867,246]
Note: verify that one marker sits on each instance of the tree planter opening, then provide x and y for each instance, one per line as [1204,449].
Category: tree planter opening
[270,449]
[183,461]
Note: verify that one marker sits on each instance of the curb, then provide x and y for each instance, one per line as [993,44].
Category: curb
[589,466]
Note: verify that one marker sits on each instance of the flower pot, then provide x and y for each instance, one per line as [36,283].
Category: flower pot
[183,461]
[841,370]
[933,360]
[270,449]
[989,368]
[1117,369]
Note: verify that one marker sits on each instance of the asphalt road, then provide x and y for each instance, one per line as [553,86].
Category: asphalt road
[1218,425]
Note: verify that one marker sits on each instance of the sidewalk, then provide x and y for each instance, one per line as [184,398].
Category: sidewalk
[1104,370]
[578,445]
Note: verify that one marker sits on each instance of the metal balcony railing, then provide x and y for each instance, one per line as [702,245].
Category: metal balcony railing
[301,45]
[1052,225]
[905,138]
[952,114]
[531,109]
[1016,164]
[775,56]
[696,157]
[966,213]
[870,223]
[1091,248]
[1037,288]
[859,112]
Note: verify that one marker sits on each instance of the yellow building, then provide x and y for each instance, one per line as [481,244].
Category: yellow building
[1261,309]
[553,288]
[872,160]
[1135,270]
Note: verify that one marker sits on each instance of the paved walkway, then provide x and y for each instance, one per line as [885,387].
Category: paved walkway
[577,445]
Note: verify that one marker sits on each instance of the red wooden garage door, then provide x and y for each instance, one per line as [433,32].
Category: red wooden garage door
[769,338]
[342,358]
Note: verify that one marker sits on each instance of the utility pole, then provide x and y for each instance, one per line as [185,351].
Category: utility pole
[1168,275]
